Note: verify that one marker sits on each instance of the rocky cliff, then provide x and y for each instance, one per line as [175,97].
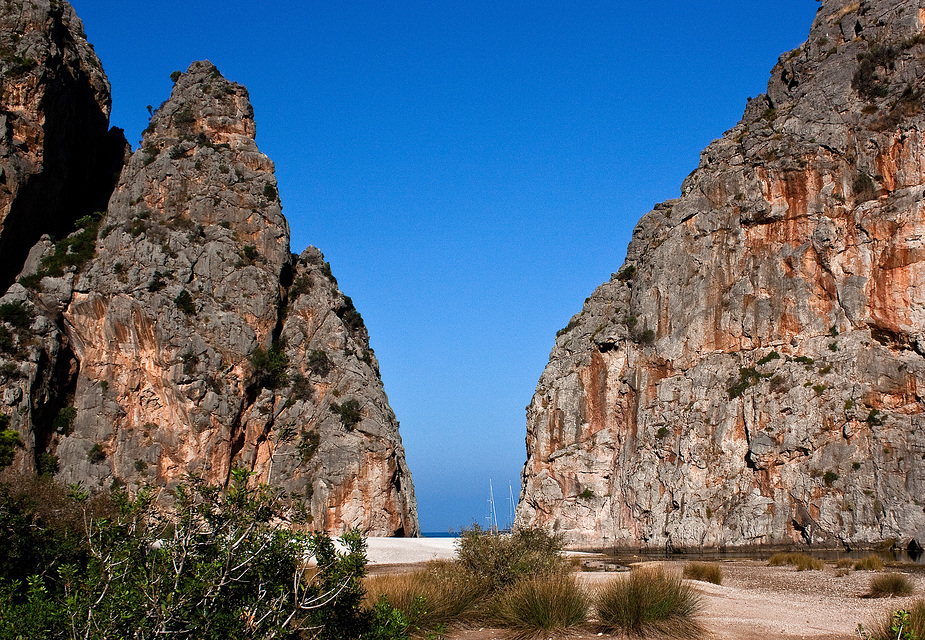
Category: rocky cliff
[174,333]
[752,373]
[58,159]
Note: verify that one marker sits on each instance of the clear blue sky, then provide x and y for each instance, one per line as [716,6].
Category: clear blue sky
[472,170]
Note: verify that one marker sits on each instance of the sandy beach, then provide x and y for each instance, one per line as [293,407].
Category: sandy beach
[754,602]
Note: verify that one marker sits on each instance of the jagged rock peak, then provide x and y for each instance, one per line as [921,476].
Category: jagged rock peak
[193,341]
[749,375]
[58,159]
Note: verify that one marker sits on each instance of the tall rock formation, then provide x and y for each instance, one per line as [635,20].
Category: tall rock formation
[58,159]
[176,334]
[753,374]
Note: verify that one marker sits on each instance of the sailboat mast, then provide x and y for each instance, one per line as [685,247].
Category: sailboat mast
[493,518]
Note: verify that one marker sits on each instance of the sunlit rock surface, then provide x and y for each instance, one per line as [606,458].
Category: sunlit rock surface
[191,340]
[751,374]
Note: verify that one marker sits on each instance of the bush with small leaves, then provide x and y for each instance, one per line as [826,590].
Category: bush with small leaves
[319,363]
[184,302]
[308,445]
[96,455]
[905,624]
[221,565]
[349,411]
[9,441]
[270,366]
[499,560]
[17,314]
[64,421]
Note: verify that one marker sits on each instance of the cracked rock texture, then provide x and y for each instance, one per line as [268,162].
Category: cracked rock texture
[58,158]
[188,339]
[751,374]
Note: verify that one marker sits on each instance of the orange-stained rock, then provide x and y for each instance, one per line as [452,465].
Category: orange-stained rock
[751,375]
[194,342]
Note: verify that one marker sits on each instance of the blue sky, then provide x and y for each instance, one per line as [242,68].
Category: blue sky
[471,169]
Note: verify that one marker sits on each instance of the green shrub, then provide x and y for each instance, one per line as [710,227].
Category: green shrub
[74,250]
[650,601]
[349,411]
[586,494]
[888,585]
[9,442]
[350,316]
[175,75]
[46,464]
[32,281]
[501,559]
[910,622]
[829,478]
[801,561]
[748,376]
[540,605]
[319,363]
[184,302]
[270,366]
[308,445]
[870,562]
[64,421]
[221,566]
[302,284]
[864,188]
[302,390]
[184,116]
[768,358]
[250,253]
[626,273]
[17,314]
[270,192]
[704,572]
[7,345]
[157,282]
[96,455]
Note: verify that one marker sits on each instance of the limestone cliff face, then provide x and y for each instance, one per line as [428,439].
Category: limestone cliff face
[177,334]
[58,159]
[753,372]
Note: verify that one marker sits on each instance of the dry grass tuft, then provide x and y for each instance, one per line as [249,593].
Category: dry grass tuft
[801,561]
[704,572]
[538,606]
[448,593]
[650,601]
[887,585]
[871,562]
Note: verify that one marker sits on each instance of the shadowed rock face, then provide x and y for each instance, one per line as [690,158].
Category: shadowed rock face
[58,159]
[191,341]
[751,375]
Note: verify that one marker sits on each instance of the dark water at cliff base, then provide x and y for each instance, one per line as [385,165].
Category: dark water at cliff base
[615,558]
